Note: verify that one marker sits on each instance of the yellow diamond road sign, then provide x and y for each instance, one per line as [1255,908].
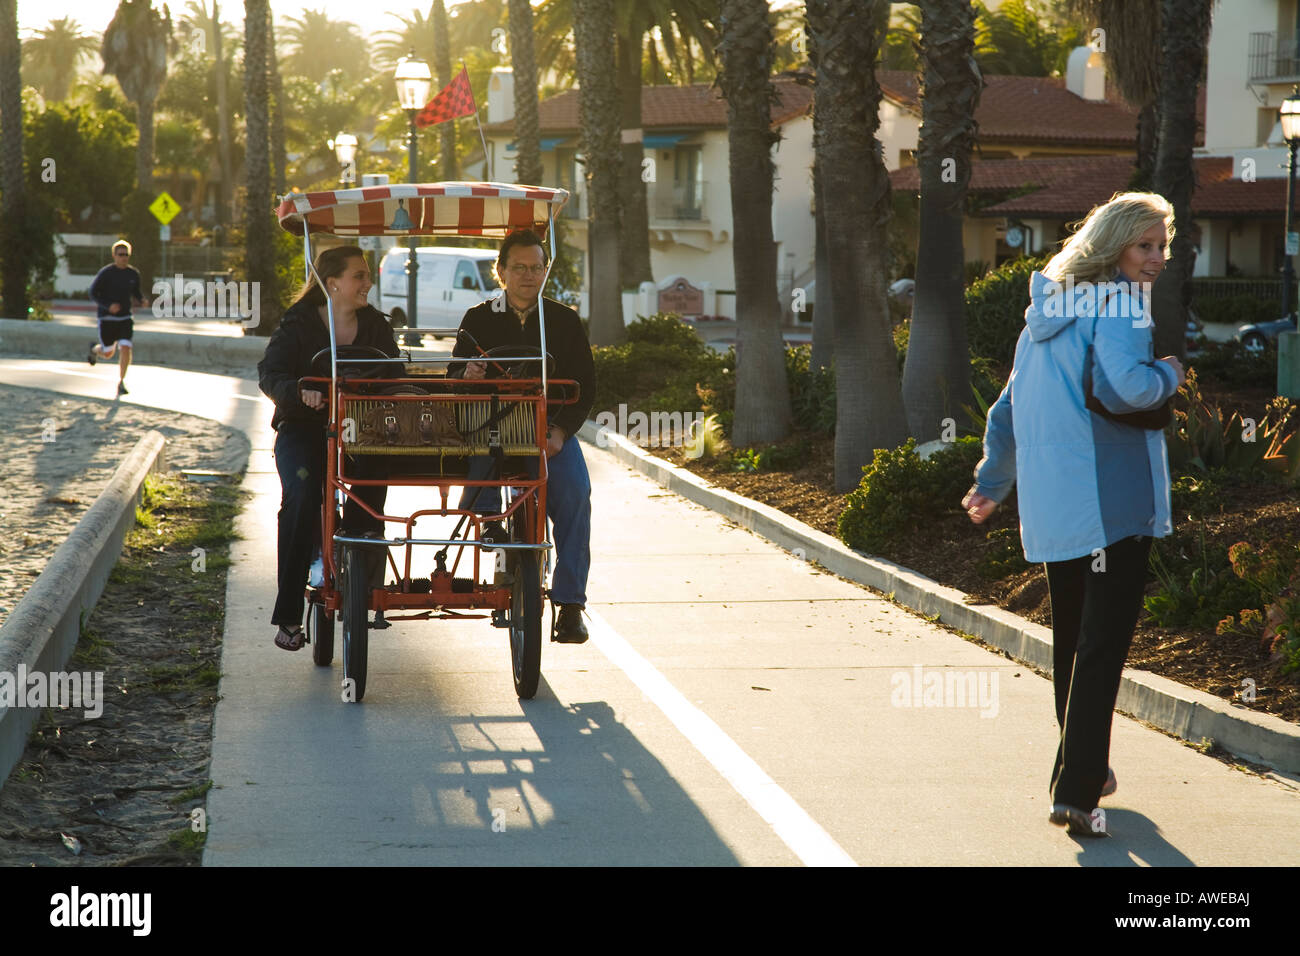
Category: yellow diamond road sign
[164,208]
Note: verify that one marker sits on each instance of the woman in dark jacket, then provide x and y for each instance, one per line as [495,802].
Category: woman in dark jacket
[300,419]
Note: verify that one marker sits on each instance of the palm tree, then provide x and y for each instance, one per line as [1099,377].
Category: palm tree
[1184,33]
[936,379]
[416,33]
[134,51]
[680,24]
[276,89]
[55,53]
[13,248]
[528,164]
[1132,57]
[317,44]
[593,35]
[216,35]
[869,403]
[448,167]
[259,259]
[762,407]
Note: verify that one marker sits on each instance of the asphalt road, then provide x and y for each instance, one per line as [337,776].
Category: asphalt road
[735,706]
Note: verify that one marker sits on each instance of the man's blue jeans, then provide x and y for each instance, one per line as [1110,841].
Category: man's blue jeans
[568,505]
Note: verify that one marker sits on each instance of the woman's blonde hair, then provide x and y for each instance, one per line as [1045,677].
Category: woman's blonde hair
[1092,253]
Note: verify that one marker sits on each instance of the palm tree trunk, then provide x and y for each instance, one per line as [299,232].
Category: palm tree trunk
[13,248]
[225,205]
[448,165]
[1184,34]
[634,250]
[823,323]
[869,404]
[762,401]
[277,110]
[936,378]
[598,109]
[528,164]
[259,261]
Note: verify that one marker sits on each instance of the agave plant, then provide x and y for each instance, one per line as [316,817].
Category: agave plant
[1201,436]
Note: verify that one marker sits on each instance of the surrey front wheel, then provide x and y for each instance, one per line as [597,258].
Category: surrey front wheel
[320,627]
[355,613]
[526,623]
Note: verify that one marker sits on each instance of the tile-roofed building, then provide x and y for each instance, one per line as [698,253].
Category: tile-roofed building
[669,107]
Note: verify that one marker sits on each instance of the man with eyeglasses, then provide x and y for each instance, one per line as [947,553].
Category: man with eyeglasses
[114,289]
[512,319]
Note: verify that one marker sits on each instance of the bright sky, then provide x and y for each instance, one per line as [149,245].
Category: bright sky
[93,16]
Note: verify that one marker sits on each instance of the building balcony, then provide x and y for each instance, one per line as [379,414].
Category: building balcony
[682,202]
[1275,57]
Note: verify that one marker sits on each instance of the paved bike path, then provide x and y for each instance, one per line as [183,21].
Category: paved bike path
[758,719]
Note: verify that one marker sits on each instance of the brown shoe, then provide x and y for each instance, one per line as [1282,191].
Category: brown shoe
[290,639]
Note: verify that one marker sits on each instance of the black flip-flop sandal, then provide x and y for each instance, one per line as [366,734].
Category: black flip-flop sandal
[288,640]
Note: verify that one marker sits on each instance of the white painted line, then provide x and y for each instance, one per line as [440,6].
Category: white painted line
[800,832]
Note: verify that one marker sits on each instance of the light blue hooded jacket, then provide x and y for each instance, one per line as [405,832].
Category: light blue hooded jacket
[1085,482]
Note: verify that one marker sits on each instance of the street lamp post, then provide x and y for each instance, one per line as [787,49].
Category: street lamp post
[413,84]
[345,150]
[1290,117]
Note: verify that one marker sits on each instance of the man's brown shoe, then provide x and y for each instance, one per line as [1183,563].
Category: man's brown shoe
[569,628]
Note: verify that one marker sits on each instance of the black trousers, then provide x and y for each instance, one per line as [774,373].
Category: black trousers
[300,460]
[1095,604]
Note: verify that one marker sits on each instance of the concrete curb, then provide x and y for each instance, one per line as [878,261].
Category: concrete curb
[174,349]
[43,629]
[1180,710]
[28,339]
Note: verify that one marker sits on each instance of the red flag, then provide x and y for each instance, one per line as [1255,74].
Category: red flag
[455,99]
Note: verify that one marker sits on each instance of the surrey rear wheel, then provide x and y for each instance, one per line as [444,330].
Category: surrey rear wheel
[320,631]
[355,613]
[526,622]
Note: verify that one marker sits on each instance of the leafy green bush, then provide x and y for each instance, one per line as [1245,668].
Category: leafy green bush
[1236,309]
[1275,572]
[899,493]
[662,367]
[812,391]
[1201,437]
[995,309]
[1230,366]
[1197,590]
[1006,556]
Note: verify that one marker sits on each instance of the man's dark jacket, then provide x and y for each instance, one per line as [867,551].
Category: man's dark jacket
[566,340]
[300,336]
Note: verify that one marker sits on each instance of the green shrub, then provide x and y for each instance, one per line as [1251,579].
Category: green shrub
[899,493]
[1275,573]
[1236,309]
[1228,365]
[812,392]
[1005,557]
[662,367]
[995,309]
[1199,590]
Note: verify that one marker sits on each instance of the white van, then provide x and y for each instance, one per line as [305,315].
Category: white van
[452,280]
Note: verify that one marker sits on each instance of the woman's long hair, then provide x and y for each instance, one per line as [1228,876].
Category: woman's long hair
[329,264]
[1092,253]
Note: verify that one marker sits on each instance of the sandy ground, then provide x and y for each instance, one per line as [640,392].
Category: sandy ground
[67,449]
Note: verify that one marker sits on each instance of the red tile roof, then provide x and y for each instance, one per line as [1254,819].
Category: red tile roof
[1032,109]
[1070,186]
[670,107]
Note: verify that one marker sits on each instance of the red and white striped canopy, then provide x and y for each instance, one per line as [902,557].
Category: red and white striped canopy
[423,209]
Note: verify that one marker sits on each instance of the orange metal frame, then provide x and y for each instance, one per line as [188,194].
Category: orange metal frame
[441,595]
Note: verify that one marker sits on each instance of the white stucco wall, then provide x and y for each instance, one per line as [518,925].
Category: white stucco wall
[1232,115]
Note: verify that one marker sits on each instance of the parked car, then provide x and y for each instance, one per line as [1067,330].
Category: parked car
[1255,336]
[451,280]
